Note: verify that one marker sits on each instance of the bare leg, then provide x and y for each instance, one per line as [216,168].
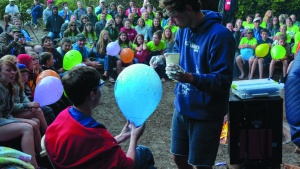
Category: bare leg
[37,135]
[271,68]
[284,67]
[14,130]
[289,67]
[36,113]
[119,66]
[182,162]
[253,68]
[261,67]
[250,65]
[239,62]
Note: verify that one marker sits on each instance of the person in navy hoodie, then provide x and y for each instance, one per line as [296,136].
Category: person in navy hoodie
[204,76]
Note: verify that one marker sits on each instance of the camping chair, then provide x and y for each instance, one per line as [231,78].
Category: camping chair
[43,153]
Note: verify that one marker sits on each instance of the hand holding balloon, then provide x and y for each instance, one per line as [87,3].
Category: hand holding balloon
[136,133]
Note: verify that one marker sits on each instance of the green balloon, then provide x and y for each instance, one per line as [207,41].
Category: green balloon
[71,59]
[278,52]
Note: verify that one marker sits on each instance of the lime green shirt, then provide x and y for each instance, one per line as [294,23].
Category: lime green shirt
[174,29]
[108,16]
[90,40]
[247,25]
[292,30]
[149,22]
[251,42]
[288,37]
[263,25]
[152,47]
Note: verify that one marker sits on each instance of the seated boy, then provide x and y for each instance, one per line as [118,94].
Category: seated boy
[281,41]
[46,61]
[76,140]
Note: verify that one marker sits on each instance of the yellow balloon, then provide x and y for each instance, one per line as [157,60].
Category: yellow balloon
[262,50]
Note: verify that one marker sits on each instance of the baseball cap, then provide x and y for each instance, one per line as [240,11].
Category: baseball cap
[249,30]
[256,19]
[49,1]
[14,28]
[102,1]
[22,67]
[54,7]
[11,0]
[80,36]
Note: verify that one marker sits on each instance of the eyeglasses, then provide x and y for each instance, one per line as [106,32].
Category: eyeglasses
[170,14]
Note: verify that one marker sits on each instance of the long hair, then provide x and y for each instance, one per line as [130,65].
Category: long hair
[120,41]
[85,32]
[169,39]
[103,43]
[135,39]
[266,17]
[10,86]
[156,28]
[18,79]
[272,25]
[69,31]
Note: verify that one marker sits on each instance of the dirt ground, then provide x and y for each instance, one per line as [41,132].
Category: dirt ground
[158,126]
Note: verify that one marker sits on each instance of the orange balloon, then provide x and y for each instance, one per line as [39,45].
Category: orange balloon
[127,55]
[46,73]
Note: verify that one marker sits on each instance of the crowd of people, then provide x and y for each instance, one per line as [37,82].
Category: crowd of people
[268,29]
[203,75]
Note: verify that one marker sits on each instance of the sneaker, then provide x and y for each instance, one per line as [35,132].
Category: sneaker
[35,27]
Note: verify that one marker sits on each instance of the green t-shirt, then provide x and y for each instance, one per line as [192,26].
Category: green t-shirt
[288,37]
[247,25]
[152,47]
[90,40]
[149,22]
[292,30]
[108,16]
[263,25]
[134,46]
[251,42]
[174,29]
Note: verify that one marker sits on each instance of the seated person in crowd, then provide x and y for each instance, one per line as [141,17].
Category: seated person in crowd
[54,23]
[282,40]
[248,42]
[92,17]
[65,46]
[71,32]
[100,25]
[79,11]
[65,13]
[80,46]
[9,42]
[47,61]
[75,126]
[65,25]
[36,12]
[10,10]
[283,29]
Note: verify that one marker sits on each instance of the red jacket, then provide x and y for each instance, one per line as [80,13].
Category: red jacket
[71,145]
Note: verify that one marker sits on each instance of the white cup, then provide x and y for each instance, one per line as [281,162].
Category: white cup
[172,58]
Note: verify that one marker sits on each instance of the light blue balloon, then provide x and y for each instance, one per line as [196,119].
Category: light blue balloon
[247,53]
[138,91]
[113,48]
[48,91]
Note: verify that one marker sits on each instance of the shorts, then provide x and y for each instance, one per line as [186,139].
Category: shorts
[197,139]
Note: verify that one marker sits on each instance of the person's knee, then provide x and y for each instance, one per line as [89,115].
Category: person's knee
[37,48]
[27,129]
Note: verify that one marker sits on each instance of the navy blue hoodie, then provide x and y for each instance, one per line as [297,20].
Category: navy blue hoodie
[207,53]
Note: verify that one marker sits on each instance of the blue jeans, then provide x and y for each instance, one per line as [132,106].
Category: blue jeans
[34,17]
[110,62]
[54,35]
[144,158]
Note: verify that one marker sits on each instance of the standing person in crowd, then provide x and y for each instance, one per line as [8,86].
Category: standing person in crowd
[9,42]
[54,23]
[169,40]
[257,28]
[273,27]
[79,11]
[36,12]
[238,30]
[98,148]
[92,18]
[142,28]
[65,13]
[259,60]
[248,42]
[113,31]
[131,33]
[48,11]
[282,41]
[71,32]
[156,26]
[204,72]
[228,10]
[11,128]
[156,47]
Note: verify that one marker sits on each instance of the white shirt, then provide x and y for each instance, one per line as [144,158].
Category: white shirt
[11,9]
